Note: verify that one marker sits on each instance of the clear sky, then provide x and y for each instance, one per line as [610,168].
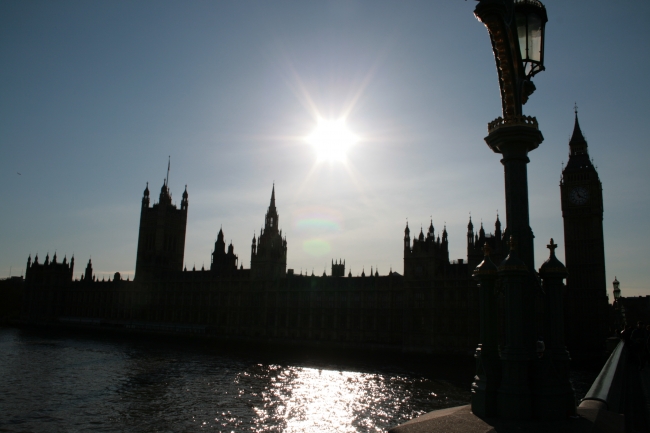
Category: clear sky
[95,95]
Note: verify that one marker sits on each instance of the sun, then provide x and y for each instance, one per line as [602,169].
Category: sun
[331,140]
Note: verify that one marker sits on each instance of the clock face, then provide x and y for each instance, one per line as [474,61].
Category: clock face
[579,195]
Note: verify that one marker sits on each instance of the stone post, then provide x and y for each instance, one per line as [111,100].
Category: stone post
[554,397]
[514,396]
[488,366]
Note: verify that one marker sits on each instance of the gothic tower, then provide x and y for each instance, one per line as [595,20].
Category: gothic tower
[582,210]
[223,263]
[161,240]
[269,253]
[338,268]
[476,241]
[428,256]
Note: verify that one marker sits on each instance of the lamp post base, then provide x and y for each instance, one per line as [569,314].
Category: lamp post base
[485,385]
[514,397]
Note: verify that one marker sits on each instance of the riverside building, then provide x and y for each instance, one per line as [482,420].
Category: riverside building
[433,307]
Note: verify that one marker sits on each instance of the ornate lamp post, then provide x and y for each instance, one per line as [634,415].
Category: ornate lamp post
[516,30]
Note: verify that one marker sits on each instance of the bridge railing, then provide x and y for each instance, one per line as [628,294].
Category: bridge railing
[607,389]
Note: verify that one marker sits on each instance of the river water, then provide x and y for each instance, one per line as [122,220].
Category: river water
[53,381]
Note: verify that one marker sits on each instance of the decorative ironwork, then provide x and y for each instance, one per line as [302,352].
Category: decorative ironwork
[509,24]
[497,123]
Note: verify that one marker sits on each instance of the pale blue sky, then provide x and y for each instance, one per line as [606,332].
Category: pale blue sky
[95,95]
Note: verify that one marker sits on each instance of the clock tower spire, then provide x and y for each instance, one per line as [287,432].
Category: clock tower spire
[582,211]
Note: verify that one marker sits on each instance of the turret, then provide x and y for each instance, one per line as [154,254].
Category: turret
[420,236]
[145,196]
[165,196]
[430,234]
[445,245]
[89,271]
[29,261]
[184,201]
[407,237]
[220,245]
[223,263]
[497,228]
[470,233]
[254,246]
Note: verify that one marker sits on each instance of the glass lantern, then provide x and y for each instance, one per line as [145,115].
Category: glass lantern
[531,18]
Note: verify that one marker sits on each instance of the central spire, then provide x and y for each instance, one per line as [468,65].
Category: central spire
[272,214]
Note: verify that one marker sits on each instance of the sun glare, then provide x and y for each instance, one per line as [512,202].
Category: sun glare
[331,140]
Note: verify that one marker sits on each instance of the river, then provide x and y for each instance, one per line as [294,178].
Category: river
[62,381]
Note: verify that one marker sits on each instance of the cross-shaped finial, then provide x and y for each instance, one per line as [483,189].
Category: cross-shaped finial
[486,249]
[552,246]
[575,107]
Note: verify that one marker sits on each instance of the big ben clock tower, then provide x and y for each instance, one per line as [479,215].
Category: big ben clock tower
[582,211]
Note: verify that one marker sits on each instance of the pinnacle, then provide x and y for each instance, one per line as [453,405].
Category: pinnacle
[577,144]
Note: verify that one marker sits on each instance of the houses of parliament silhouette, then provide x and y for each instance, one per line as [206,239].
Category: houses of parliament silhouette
[432,307]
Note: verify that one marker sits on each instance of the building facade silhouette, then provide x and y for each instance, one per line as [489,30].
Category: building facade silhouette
[433,306]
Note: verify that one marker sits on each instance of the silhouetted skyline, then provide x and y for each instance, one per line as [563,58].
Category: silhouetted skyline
[95,97]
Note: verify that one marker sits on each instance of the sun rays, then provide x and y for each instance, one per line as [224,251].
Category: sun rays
[331,140]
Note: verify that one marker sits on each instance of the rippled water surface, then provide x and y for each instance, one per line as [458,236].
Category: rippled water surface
[59,382]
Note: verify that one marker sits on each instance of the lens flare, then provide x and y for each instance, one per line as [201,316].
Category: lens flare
[316,247]
[332,140]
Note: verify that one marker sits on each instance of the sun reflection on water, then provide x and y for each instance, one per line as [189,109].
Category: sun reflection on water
[299,399]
